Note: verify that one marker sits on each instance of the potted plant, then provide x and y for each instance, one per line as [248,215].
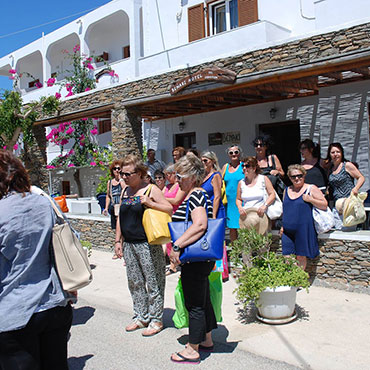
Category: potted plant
[268,279]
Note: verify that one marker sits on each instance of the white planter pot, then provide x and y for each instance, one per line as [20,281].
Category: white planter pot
[277,304]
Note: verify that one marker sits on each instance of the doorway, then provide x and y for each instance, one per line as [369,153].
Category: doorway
[286,137]
[187,140]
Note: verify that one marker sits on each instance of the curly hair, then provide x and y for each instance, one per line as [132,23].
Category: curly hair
[191,166]
[13,175]
[297,167]
[115,163]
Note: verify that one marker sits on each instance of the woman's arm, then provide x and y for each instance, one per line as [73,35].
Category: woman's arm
[316,198]
[156,200]
[180,195]
[216,183]
[270,197]
[118,241]
[355,173]
[279,170]
[239,202]
[107,200]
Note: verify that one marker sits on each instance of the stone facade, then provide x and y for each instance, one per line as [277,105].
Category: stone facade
[342,264]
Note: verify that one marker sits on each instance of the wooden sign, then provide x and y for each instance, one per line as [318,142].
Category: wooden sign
[213,74]
[218,138]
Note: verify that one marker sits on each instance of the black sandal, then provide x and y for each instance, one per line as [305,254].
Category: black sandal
[185,360]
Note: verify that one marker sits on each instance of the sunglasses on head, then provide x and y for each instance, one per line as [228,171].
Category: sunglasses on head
[296,176]
[127,174]
[236,152]
[246,165]
[117,168]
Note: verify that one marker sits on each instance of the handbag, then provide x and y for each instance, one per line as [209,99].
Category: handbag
[274,210]
[354,210]
[323,220]
[223,189]
[208,247]
[155,224]
[116,209]
[71,261]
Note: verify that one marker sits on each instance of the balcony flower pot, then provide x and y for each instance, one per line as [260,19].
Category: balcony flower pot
[266,278]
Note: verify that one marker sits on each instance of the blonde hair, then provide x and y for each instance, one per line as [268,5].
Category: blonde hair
[296,167]
[213,157]
[191,166]
[133,160]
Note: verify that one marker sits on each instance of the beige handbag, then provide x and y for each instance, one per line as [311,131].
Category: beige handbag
[70,257]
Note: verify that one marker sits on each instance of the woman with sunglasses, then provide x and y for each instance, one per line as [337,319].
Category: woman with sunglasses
[194,276]
[269,163]
[115,187]
[298,232]
[316,175]
[232,174]
[175,196]
[145,264]
[159,179]
[212,182]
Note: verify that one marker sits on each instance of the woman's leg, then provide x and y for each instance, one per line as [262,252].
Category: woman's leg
[233,234]
[302,261]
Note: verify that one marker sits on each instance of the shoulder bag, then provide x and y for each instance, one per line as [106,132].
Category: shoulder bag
[155,224]
[223,188]
[209,247]
[274,210]
[71,261]
[323,220]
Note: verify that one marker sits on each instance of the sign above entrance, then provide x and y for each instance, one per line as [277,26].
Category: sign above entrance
[213,74]
[218,138]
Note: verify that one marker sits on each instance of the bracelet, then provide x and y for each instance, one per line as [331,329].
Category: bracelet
[117,241]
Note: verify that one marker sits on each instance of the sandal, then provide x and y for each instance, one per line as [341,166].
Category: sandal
[185,360]
[135,325]
[206,348]
[152,329]
[115,257]
[169,271]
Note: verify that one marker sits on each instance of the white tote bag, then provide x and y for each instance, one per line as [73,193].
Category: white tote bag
[274,210]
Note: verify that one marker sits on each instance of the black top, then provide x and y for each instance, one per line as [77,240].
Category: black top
[197,199]
[131,219]
[317,176]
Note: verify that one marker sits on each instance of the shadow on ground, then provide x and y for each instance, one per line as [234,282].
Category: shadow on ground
[78,363]
[82,315]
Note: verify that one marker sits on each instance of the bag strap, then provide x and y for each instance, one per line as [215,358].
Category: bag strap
[187,206]
[110,189]
[55,207]
[224,171]
[273,162]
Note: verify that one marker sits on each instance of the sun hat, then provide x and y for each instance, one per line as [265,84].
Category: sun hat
[261,224]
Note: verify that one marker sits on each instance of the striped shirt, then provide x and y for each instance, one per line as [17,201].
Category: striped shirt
[197,199]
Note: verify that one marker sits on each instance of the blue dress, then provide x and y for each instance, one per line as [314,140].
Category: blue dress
[299,237]
[207,186]
[231,182]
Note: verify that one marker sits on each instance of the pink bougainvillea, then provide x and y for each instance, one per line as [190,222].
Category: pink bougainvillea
[92,164]
[83,119]
[76,48]
[90,67]
[50,82]
[58,95]
[15,147]
[70,131]
[12,77]
[13,71]
[38,85]
[71,165]
[111,73]
[87,89]
[69,94]
[94,131]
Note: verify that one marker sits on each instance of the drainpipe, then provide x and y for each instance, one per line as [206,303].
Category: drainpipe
[302,15]
[205,11]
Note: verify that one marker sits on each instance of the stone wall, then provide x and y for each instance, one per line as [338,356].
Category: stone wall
[342,264]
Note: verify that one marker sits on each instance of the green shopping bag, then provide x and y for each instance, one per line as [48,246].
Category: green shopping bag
[181,315]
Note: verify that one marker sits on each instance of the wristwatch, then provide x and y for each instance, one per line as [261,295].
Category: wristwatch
[176,248]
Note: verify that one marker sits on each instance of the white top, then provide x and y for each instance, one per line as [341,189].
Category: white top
[253,196]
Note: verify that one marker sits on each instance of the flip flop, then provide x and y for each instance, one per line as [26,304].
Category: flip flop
[185,360]
[206,348]
[169,271]
[152,329]
[135,325]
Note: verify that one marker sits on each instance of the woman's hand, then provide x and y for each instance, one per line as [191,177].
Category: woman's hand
[118,249]
[105,212]
[354,191]
[262,210]
[307,198]
[274,172]
[145,200]
[281,232]
[175,257]
[243,213]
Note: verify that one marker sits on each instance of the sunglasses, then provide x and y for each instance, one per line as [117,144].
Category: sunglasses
[205,160]
[158,178]
[116,168]
[256,145]
[296,176]
[127,174]
[247,166]
[235,152]
[179,177]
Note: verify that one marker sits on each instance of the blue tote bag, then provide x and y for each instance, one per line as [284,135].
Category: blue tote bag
[207,248]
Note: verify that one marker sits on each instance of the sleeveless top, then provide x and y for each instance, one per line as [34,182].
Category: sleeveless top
[115,192]
[253,197]
[172,194]
[131,219]
[268,169]
[317,176]
[342,183]
[208,187]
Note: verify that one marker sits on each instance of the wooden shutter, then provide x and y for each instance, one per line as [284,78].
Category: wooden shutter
[126,52]
[247,11]
[196,22]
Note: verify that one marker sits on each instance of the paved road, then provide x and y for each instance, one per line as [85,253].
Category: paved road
[98,341]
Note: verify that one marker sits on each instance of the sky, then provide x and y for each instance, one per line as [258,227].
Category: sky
[22,14]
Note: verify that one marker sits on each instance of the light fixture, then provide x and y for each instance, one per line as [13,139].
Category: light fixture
[181,125]
[273,112]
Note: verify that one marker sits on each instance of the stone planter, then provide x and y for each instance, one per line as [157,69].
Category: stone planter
[276,306]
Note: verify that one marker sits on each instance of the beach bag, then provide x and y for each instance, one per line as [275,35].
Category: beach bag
[274,210]
[181,315]
[155,224]
[223,189]
[354,211]
[208,247]
[71,261]
[323,220]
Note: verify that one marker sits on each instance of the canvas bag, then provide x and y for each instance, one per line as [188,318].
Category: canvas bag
[354,210]
[70,257]
[274,210]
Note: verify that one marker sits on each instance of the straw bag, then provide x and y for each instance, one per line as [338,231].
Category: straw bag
[70,257]
[155,224]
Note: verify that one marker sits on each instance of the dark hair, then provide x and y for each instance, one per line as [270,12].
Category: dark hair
[194,151]
[312,147]
[115,163]
[158,173]
[13,175]
[336,145]
[252,161]
[150,150]
[265,140]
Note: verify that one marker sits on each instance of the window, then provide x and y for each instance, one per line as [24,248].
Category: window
[104,126]
[223,16]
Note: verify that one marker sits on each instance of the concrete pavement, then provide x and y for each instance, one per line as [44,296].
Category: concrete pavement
[332,330]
